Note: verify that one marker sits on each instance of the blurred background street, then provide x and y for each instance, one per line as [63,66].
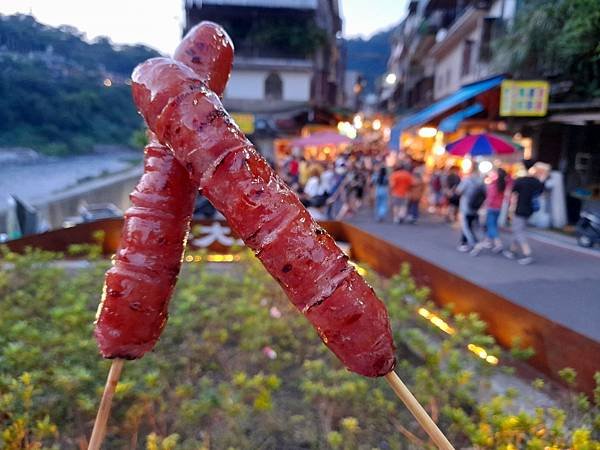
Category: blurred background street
[421,123]
[562,286]
[460,136]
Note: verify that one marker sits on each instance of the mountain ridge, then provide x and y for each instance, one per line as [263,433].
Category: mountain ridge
[369,56]
[59,93]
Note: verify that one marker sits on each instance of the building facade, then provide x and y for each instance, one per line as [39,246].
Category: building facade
[287,61]
[286,50]
[443,76]
[440,46]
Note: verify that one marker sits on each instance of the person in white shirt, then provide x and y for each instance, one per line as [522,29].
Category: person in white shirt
[313,187]
[328,179]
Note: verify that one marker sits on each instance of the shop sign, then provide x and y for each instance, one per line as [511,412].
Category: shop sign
[524,98]
[244,121]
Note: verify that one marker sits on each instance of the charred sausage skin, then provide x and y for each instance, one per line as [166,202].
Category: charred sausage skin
[188,117]
[134,306]
[137,288]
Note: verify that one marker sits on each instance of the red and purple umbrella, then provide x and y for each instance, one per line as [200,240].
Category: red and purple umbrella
[485,144]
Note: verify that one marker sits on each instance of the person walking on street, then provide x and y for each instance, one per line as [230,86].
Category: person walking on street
[355,188]
[328,178]
[400,182]
[526,191]
[313,189]
[495,192]
[436,188]
[472,195]
[451,182]
[337,195]
[289,170]
[414,196]
[381,183]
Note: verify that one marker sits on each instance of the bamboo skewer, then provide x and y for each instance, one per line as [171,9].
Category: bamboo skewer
[400,389]
[104,410]
[418,412]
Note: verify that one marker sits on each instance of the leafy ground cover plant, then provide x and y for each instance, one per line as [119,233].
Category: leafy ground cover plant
[238,368]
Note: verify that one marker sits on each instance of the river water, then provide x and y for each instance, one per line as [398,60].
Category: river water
[57,186]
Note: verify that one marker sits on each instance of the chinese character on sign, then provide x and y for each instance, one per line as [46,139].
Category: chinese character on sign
[524,98]
[215,233]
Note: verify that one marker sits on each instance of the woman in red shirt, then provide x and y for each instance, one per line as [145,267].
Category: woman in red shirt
[497,187]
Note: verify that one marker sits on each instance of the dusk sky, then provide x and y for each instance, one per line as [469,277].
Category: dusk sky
[135,21]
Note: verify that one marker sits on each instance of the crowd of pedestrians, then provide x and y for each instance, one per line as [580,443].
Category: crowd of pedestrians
[477,202]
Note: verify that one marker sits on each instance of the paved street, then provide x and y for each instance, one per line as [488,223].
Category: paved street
[563,284]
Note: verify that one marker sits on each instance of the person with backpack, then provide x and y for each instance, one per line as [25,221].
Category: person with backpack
[381,183]
[526,191]
[498,184]
[472,196]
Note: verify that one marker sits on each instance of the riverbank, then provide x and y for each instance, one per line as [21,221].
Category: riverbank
[56,186]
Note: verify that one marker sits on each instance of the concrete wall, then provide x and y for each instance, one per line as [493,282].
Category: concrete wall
[448,71]
[112,189]
[246,85]
[115,190]
[448,68]
[250,85]
[504,8]
[296,86]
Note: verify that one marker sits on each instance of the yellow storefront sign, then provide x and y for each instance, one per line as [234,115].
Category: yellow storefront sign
[524,98]
[244,121]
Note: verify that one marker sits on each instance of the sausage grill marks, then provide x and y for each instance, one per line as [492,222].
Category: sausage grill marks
[189,118]
[137,289]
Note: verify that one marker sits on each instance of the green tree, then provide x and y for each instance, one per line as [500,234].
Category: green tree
[555,39]
[52,92]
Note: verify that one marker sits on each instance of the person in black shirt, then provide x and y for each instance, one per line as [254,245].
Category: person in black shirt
[526,191]
[451,182]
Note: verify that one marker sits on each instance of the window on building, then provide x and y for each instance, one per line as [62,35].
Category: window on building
[467,57]
[273,87]
[493,28]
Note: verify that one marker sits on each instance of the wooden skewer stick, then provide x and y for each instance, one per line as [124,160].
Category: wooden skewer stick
[418,412]
[104,410]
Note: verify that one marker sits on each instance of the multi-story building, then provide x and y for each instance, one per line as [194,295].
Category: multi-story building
[463,52]
[411,69]
[286,51]
[444,80]
[440,65]
[440,46]
[287,61]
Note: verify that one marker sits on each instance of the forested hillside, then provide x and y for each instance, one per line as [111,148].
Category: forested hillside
[61,94]
[369,56]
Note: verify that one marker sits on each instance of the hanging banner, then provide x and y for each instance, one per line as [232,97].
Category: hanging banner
[524,98]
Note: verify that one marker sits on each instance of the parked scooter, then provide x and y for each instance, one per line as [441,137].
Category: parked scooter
[588,229]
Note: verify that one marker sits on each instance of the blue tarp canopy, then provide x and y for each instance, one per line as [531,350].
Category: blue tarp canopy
[450,123]
[426,114]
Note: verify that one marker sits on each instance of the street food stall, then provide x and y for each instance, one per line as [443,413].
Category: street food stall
[324,145]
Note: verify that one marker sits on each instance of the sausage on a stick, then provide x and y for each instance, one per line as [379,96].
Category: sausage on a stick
[315,274]
[259,207]
[134,306]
